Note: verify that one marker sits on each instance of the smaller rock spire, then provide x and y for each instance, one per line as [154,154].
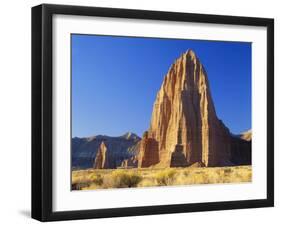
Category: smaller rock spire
[101,159]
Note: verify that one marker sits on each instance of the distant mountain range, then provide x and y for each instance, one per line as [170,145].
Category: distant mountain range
[123,151]
[84,150]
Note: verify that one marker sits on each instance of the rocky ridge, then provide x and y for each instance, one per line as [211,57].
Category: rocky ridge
[84,150]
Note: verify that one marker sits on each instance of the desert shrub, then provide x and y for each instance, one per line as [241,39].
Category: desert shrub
[198,177]
[97,179]
[186,173]
[80,186]
[227,170]
[165,177]
[121,179]
[147,182]
[75,186]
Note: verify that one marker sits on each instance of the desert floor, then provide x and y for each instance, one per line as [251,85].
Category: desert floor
[147,177]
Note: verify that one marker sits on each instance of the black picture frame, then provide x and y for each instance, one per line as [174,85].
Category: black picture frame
[42,111]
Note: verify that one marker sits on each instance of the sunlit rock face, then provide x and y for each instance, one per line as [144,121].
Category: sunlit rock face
[184,127]
[149,151]
[101,159]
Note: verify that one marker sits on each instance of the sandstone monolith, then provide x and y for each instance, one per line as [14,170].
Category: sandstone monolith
[184,127]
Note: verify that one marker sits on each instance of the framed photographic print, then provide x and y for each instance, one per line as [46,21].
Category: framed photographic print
[145,112]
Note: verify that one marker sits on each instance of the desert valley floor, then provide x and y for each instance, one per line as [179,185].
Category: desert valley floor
[149,177]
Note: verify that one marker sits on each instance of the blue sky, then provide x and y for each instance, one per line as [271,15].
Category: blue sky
[115,81]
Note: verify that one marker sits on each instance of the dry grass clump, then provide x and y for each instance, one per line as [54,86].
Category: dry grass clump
[166,177]
[121,179]
[97,179]
[82,179]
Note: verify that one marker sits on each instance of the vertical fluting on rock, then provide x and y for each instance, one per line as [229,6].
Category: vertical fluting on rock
[184,110]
